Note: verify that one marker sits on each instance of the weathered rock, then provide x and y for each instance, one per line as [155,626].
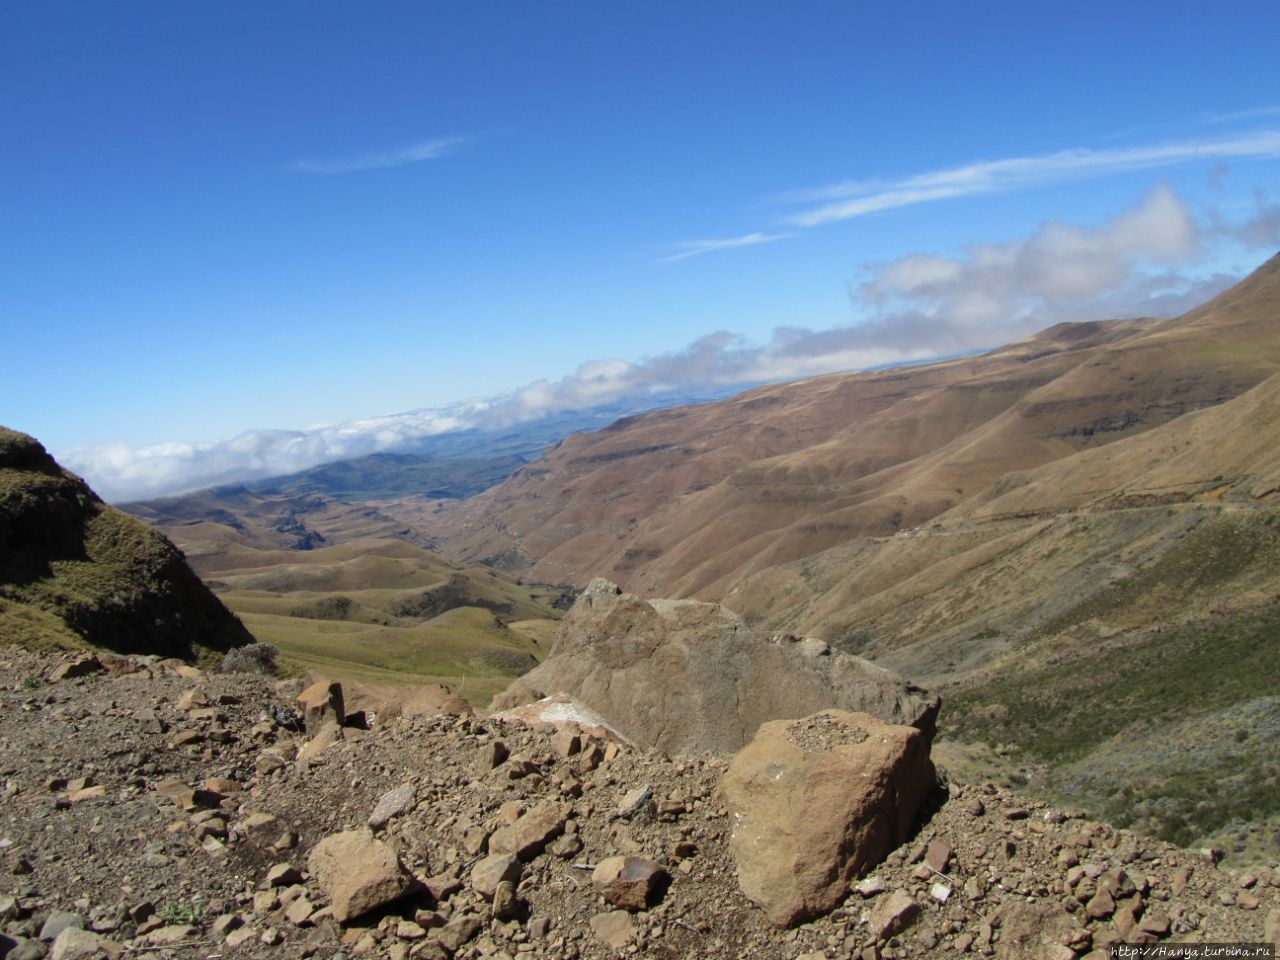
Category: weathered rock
[381,703]
[1101,905]
[171,934]
[186,738]
[223,785]
[283,875]
[490,756]
[24,949]
[269,762]
[493,870]
[442,886]
[615,928]
[177,792]
[321,705]
[224,924]
[637,803]
[567,741]
[506,904]
[240,936]
[892,914]
[571,717]
[1032,931]
[938,856]
[358,873]
[260,829]
[457,931]
[299,911]
[632,883]
[59,920]
[686,675]
[81,665]
[816,802]
[325,737]
[869,887]
[527,837]
[394,803]
[73,943]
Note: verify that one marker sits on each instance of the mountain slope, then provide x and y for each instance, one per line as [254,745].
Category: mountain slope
[694,501]
[75,571]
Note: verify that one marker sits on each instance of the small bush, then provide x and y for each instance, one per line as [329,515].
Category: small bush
[253,658]
[185,911]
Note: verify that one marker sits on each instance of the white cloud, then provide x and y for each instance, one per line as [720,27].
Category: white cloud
[414,153]
[1061,272]
[119,472]
[1235,116]
[694,248]
[845,201]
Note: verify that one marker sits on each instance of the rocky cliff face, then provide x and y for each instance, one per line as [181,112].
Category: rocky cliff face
[76,571]
[685,675]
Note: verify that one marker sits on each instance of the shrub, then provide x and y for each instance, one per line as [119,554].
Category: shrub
[253,658]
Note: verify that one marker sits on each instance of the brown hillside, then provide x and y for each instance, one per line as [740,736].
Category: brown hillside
[694,501]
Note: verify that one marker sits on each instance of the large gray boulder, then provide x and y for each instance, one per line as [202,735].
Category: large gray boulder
[683,675]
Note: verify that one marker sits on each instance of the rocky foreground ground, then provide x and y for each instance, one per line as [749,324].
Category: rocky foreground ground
[151,810]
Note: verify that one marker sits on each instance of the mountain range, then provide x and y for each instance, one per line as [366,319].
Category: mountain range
[1075,539]
[907,506]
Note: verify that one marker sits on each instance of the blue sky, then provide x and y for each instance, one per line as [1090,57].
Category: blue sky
[223,225]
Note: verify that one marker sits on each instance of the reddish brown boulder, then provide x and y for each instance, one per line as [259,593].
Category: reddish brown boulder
[322,704]
[527,837]
[817,802]
[632,883]
[360,874]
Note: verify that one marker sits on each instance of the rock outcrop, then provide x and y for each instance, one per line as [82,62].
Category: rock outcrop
[75,571]
[816,802]
[684,675]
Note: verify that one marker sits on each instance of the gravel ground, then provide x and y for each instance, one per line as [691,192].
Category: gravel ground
[150,808]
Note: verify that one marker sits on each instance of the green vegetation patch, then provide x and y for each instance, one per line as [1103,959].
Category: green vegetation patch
[1214,777]
[1174,732]
[1226,548]
[1061,711]
[469,650]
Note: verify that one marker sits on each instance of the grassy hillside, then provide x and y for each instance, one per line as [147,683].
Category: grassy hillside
[75,572]
[385,611]
[1155,701]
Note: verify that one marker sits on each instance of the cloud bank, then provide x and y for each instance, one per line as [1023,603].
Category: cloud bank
[917,307]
